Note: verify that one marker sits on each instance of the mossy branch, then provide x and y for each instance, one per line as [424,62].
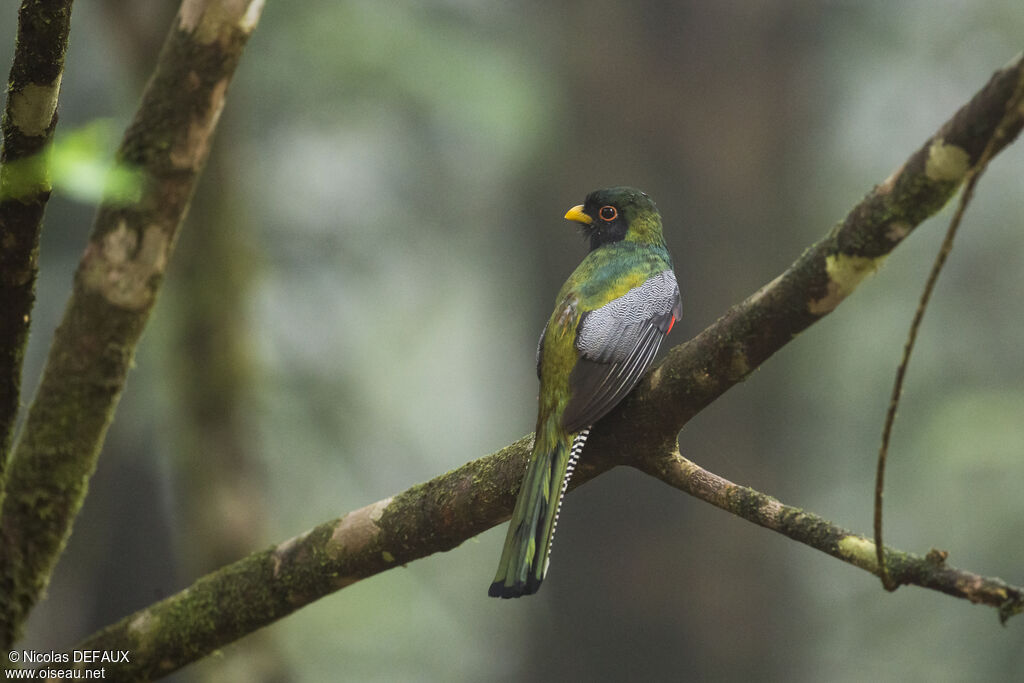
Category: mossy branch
[442,513]
[29,119]
[930,571]
[115,287]
[696,373]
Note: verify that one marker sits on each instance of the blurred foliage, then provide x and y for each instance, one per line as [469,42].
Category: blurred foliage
[79,167]
[397,173]
[82,170]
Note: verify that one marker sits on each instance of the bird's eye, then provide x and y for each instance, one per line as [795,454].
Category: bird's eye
[608,213]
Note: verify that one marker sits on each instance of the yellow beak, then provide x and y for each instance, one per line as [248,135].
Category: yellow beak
[576,214]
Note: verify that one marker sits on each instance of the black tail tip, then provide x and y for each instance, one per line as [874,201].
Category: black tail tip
[500,589]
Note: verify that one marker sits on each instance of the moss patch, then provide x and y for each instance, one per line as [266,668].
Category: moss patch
[32,108]
[946,162]
[860,551]
[845,272]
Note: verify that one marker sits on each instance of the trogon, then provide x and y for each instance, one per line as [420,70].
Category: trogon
[609,319]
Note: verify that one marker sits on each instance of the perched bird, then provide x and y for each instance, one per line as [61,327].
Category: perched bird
[609,319]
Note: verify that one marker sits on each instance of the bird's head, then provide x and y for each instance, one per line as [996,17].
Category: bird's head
[616,214]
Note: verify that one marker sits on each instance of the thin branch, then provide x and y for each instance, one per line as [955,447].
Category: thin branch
[973,175]
[444,512]
[905,568]
[29,119]
[114,291]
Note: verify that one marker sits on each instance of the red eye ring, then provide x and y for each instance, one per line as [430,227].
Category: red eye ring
[608,213]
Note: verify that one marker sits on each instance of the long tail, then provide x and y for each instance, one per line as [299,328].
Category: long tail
[525,557]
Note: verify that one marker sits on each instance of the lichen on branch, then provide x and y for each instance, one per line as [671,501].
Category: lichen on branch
[115,288]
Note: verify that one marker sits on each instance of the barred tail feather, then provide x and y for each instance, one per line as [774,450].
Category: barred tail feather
[525,557]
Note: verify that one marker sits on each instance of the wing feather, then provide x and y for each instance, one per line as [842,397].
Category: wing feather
[618,342]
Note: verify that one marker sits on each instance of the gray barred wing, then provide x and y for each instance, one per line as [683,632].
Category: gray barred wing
[617,344]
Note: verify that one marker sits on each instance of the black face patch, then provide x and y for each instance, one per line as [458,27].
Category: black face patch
[602,231]
[611,211]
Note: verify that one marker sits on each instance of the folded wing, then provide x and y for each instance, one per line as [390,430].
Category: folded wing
[617,343]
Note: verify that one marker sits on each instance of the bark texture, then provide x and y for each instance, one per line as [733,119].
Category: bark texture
[29,119]
[115,288]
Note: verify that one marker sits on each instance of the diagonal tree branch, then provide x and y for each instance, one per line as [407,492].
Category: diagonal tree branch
[930,571]
[114,291]
[29,119]
[695,374]
[440,514]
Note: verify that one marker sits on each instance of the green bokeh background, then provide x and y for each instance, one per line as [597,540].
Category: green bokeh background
[355,298]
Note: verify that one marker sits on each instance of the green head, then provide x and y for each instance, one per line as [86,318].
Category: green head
[618,214]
